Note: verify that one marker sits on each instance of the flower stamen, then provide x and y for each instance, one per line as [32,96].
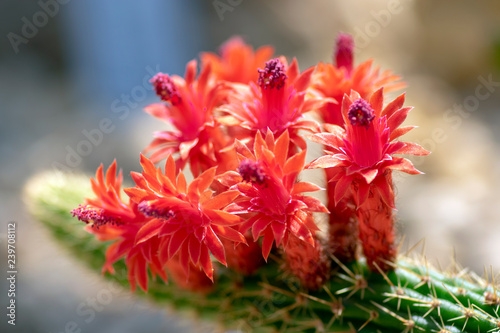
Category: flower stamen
[97,217]
[273,75]
[252,172]
[148,210]
[360,113]
[165,88]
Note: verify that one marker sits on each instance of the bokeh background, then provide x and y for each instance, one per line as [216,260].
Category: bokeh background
[67,64]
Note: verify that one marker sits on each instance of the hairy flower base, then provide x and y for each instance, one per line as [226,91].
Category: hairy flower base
[309,263]
[342,227]
[376,231]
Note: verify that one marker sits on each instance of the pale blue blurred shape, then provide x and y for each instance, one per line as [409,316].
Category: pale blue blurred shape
[109,44]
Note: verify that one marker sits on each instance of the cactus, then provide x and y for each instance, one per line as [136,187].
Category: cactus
[239,244]
[413,297]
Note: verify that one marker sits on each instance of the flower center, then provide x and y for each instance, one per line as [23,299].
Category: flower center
[252,171]
[165,88]
[344,51]
[273,75]
[158,212]
[360,113]
[97,217]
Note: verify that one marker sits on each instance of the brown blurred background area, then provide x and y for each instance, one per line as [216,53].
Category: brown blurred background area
[67,64]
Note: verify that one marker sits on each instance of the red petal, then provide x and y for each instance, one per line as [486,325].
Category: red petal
[302,81]
[194,247]
[259,226]
[141,273]
[221,217]
[400,131]
[346,103]
[398,118]
[267,243]
[157,110]
[394,106]
[185,148]
[138,195]
[221,200]
[343,184]
[148,230]
[132,268]
[333,140]
[176,240]
[308,125]
[305,187]
[229,233]
[295,163]
[215,246]
[384,187]
[206,179]
[181,183]
[148,166]
[377,101]
[325,161]
[402,164]
[411,148]
[190,74]
[313,204]
[293,70]
[369,175]
[362,193]
[259,144]
[206,263]
[298,228]
[281,148]
[279,231]
[111,174]
[229,178]
[170,169]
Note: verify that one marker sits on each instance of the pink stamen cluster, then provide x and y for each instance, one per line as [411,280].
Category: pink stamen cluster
[273,75]
[165,88]
[360,113]
[252,172]
[148,210]
[96,217]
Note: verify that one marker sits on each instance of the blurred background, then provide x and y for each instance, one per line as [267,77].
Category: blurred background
[67,65]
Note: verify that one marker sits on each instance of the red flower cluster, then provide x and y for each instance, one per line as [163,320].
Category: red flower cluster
[238,126]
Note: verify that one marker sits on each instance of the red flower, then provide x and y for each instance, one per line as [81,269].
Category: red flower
[361,161]
[266,179]
[189,108]
[112,218]
[188,220]
[335,80]
[363,151]
[278,102]
[237,62]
